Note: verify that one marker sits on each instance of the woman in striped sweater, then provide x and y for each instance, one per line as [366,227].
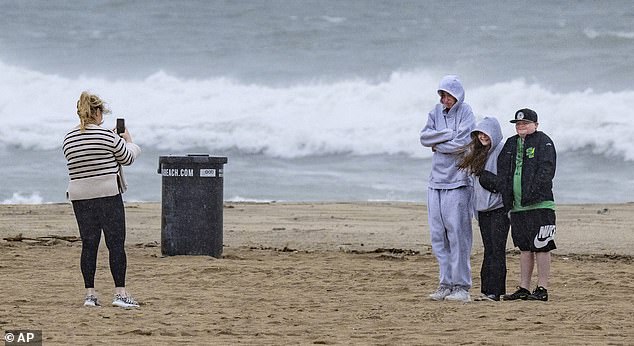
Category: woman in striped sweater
[95,156]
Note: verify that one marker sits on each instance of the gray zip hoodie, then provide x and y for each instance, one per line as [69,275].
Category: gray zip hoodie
[483,199]
[447,132]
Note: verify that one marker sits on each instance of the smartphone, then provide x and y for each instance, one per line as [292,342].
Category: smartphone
[120,125]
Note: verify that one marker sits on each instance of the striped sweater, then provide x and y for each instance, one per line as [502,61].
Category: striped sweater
[94,159]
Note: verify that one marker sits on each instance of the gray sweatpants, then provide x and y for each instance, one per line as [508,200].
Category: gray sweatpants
[451,235]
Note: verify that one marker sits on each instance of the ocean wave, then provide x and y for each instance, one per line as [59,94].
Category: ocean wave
[19,198]
[333,20]
[354,116]
[239,199]
[593,34]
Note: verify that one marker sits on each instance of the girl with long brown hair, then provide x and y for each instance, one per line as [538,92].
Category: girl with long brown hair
[480,160]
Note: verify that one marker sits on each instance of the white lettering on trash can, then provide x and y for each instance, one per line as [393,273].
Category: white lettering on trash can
[176,172]
[207,173]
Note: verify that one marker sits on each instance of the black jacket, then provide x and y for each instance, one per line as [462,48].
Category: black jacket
[538,169]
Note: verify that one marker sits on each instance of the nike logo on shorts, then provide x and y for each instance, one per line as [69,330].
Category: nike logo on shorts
[545,235]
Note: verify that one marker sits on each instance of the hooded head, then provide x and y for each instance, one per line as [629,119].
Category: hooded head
[453,86]
[491,127]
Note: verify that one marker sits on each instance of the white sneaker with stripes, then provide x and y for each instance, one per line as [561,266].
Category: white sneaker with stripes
[124,302]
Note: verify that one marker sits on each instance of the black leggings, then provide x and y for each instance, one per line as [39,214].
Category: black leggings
[93,216]
[494,228]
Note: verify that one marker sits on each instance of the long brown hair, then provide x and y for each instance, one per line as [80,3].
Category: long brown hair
[87,107]
[475,159]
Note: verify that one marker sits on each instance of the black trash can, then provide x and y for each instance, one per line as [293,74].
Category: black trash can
[192,201]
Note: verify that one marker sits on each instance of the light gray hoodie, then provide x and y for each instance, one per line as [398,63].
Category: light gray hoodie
[484,200]
[448,132]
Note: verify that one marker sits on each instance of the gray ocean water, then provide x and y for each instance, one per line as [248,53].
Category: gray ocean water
[314,100]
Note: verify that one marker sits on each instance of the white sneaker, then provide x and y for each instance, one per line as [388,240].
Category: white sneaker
[440,293]
[459,295]
[124,302]
[91,300]
[487,298]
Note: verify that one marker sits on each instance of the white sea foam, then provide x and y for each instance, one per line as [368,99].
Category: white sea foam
[354,116]
[19,198]
[334,20]
[238,199]
[593,34]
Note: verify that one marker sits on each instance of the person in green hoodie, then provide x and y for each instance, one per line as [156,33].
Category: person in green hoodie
[526,169]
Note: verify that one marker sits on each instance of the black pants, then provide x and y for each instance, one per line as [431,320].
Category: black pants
[494,228]
[105,214]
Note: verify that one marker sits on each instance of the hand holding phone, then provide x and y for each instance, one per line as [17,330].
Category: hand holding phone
[120,126]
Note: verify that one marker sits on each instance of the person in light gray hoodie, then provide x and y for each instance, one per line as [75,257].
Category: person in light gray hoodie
[481,162]
[447,132]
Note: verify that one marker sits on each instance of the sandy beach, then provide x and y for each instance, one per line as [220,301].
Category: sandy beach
[311,273]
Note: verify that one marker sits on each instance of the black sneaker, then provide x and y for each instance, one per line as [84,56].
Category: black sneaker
[540,293]
[521,293]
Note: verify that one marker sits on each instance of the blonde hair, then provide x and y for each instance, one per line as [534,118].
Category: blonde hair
[87,107]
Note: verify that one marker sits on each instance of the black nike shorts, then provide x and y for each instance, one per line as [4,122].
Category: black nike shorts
[534,230]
